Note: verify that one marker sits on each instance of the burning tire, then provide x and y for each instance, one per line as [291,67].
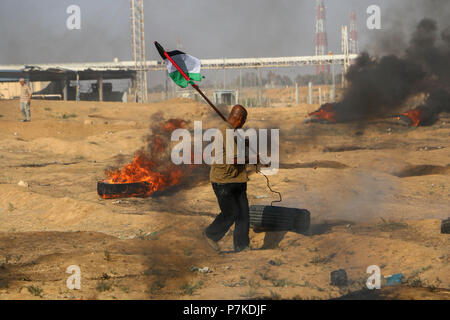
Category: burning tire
[270,218]
[121,190]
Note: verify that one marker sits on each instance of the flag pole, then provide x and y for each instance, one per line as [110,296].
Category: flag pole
[195,86]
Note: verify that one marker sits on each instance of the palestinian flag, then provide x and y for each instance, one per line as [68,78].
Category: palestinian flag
[183,68]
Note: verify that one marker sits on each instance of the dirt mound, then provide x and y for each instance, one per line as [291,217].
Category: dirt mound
[361,213]
[422,170]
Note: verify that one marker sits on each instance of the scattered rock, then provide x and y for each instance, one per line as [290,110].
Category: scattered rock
[204,270]
[22,184]
[201,270]
[275,262]
[339,277]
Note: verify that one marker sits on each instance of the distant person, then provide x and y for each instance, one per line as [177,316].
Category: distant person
[25,100]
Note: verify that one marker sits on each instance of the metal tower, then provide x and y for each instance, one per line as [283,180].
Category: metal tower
[353,40]
[321,36]
[138,48]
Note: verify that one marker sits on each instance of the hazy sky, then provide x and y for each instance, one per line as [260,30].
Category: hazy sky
[35,31]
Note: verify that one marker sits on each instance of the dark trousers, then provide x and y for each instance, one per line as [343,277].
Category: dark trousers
[233,203]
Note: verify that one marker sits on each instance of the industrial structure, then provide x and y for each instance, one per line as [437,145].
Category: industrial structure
[100,71]
[65,74]
[321,48]
[66,77]
[116,69]
[345,53]
[353,38]
[138,49]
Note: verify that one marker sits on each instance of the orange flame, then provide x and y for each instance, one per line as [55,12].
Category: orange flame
[416,116]
[173,124]
[141,169]
[325,112]
[152,171]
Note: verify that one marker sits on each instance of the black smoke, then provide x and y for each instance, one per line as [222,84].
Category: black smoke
[379,87]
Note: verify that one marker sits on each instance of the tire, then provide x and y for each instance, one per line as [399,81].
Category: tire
[445,226]
[270,218]
[121,190]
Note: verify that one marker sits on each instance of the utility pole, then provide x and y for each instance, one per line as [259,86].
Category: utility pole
[260,84]
[240,79]
[224,75]
[310,93]
[77,88]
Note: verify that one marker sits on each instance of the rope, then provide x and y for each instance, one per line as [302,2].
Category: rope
[267,181]
[270,188]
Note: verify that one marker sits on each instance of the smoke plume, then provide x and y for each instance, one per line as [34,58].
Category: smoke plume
[381,86]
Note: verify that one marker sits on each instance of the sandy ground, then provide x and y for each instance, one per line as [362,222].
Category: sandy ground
[377,195]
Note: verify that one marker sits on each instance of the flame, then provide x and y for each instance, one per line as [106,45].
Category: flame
[152,170]
[142,170]
[325,112]
[416,116]
[172,124]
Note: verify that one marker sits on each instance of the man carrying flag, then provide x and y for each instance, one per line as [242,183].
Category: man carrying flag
[229,180]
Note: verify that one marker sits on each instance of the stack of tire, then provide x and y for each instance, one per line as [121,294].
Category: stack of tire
[271,218]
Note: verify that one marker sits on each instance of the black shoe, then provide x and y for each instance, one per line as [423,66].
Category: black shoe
[244,249]
[213,244]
